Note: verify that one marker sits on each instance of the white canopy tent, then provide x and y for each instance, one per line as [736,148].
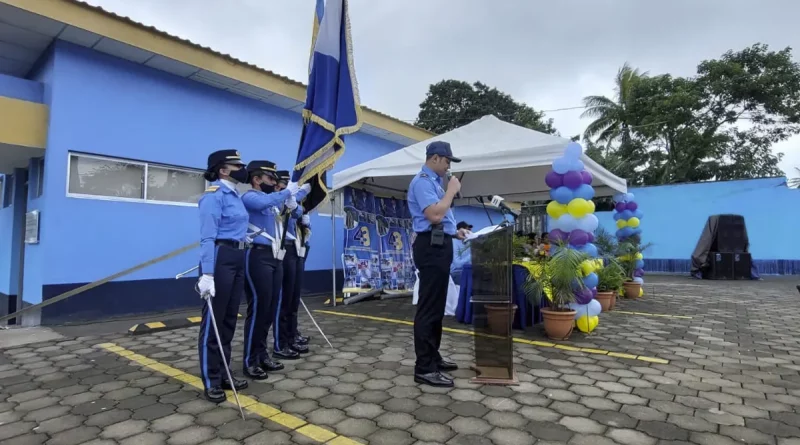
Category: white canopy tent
[498,158]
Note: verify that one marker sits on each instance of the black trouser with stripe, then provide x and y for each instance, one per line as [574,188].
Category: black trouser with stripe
[264,274]
[298,287]
[286,329]
[229,280]
[433,263]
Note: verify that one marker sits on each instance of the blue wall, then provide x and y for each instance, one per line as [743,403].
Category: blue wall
[22,89]
[675,215]
[107,106]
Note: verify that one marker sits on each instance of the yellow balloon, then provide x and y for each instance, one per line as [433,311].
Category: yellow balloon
[621,224]
[633,222]
[578,208]
[590,206]
[587,324]
[556,210]
[587,267]
[641,292]
[639,256]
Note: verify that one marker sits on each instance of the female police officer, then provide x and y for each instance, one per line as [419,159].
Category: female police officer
[223,228]
[263,265]
[288,342]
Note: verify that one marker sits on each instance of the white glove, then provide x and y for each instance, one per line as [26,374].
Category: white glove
[305,220]
[293,188]
[206,286]
[291,203]
[306,187]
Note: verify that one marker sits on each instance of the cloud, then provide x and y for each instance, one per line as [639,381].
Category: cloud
[549,54]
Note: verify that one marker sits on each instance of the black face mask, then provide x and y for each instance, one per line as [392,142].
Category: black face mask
[239,176]
[266,188]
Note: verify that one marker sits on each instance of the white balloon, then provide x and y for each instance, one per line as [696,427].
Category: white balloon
[594,308]
[638,280]
[566,223]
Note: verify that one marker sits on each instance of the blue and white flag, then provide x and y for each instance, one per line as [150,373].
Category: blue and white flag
[332,108]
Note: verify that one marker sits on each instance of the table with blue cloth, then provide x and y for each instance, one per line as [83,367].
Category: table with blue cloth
[526,314]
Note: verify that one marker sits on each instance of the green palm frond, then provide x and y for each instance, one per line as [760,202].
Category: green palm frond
[561,277]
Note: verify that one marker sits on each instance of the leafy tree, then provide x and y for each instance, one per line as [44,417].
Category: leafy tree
[450,104]
[719,124]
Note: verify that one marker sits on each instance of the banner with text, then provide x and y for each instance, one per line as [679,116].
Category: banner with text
[361,258]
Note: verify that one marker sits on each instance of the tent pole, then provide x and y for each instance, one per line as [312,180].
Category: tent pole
[333,247]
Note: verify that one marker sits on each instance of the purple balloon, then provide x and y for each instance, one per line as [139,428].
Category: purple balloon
[573,180]
[638,273]
[558,235]
[554,180]
[632,206]
[578,238]
[591,237]
[620,206]
[594,292]
[587,177]
[583,296]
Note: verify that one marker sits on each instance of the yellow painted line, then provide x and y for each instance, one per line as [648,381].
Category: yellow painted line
[195,319]
[648,314]
[155,325]
[542,344]
[249,404]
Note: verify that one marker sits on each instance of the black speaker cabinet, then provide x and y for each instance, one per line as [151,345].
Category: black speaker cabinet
[742,263]
[721,267]
[731,234]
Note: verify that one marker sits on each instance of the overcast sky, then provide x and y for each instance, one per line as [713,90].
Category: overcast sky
[549,54]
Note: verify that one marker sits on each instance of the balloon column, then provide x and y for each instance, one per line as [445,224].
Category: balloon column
[628,218]
[573,222]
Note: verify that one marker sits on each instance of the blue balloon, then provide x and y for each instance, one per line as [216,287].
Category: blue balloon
[638,280]
[566,223]
[576,165]
[638,213]
[619,197]
[637,231]
[580,309]
[588,223]
[639,264]
[562,194]
[561,165]
[629,197]
[591,280]
[594,308]
[627,231]
[589,249]
[626,214]
[573,150]
[617,216]
[585,191]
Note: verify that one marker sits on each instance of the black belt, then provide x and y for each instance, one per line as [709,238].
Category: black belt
[255,246]
[238,245]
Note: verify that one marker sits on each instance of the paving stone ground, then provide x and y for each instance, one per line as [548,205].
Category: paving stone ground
[733,377]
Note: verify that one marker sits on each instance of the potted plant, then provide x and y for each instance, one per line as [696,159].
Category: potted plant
[559,280]
[610,280]
[628,253]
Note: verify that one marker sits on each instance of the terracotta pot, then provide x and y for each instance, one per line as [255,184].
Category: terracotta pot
[605,300]
[558,324]
[632,289]
[499,318]
[614,299]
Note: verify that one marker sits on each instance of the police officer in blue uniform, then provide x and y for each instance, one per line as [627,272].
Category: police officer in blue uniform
[263,265]
[435,226]
[287,344]
[223,229]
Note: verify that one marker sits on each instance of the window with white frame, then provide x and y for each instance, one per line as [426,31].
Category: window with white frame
[8,190]
[122,179]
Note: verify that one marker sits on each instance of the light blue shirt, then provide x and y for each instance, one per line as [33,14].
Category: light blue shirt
[291,231]
[223,217]
[461,255]
[263,208]
[425,190]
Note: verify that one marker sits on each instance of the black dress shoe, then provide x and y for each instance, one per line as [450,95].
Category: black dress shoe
[255,373]
[271,365]
[286,354]
[300,349]
[238,384]
[215,394]
[445,365]
[302,340]
[433,379]
[446,376]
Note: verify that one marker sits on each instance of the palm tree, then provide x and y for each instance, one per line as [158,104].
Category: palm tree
[612,118]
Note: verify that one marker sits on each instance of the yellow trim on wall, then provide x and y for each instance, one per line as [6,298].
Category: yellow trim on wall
[23,123]
[105,24]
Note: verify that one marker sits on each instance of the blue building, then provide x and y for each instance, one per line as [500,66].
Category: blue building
[105,126]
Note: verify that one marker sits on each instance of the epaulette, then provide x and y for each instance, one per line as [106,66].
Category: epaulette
[212,188]
[423,175]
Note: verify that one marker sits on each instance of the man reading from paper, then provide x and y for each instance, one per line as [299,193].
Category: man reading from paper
[435,226]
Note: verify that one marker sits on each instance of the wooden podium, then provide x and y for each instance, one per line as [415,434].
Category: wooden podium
[493,307]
